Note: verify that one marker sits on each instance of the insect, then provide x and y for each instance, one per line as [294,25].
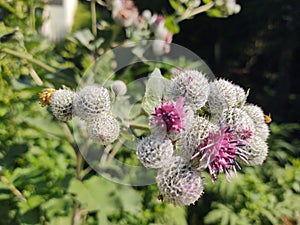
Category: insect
[46,95]
[268,118]
[160,197]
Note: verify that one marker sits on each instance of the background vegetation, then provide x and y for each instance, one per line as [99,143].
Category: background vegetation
[41,182]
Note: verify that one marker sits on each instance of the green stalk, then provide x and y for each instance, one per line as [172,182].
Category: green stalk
[196,11]
[139,126]
[94,18]
[28,58]
[79,162]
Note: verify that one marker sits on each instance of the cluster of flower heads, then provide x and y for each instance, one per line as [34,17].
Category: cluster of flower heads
[124,12]
[91,104]
[228,7]
[201,125]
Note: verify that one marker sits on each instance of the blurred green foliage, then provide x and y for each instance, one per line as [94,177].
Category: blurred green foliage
[38,180]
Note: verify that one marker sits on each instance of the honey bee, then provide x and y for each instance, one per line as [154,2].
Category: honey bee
[268,118]
[46,95]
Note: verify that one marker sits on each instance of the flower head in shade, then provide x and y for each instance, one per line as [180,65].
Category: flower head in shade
[193,85]
[258,117]
[179,182]
[224,95]
[103,129]
[154,151]
[257,149]
[169,116]
[219,152]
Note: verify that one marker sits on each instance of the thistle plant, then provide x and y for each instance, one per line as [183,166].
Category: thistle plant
[91,104]
[197,125]
[179,182]
[191,130]
[223,133]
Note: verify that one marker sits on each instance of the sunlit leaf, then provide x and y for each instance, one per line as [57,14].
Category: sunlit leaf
[155,91]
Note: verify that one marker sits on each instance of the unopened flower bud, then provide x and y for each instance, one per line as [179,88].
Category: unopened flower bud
[119,87]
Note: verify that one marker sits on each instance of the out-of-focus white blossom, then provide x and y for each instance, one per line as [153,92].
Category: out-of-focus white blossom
[58,16]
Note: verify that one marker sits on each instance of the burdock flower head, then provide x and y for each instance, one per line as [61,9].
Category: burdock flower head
[60,102]
[168,116]
[193,85]
[179,182]
[219,152]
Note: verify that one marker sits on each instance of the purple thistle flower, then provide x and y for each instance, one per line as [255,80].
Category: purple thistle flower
[219,151]
[169,116]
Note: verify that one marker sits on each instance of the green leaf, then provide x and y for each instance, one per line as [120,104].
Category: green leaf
[31,217]
[57,206]
[155,91]
[206,1]
[175,215]
[61,220]
[45,125]
[98,194]
[175,5]
[34,201]
[7,37]
[93,194]
[130,200]
[85,37]
[269,216]
[215,13]
[122,107]
[213,216]
[171,24]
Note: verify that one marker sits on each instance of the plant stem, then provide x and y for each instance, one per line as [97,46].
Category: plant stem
[76,207]
[79,158]
[8,7]
[115,31]
[94,18]
[196,11]
[100,2]
[35,76]
[29,59]
[12,188]
[76,215]
[139,126]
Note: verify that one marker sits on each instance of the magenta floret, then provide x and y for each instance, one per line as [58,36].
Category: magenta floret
[219,152]
[169,116]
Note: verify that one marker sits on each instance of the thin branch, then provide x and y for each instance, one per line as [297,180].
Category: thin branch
[100,2]
[76,215]
[12,188]
[35,76]
[78,154]
[196,11]
[29,59]
[116,148]
[139,126]
[94,18]
[79,159]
